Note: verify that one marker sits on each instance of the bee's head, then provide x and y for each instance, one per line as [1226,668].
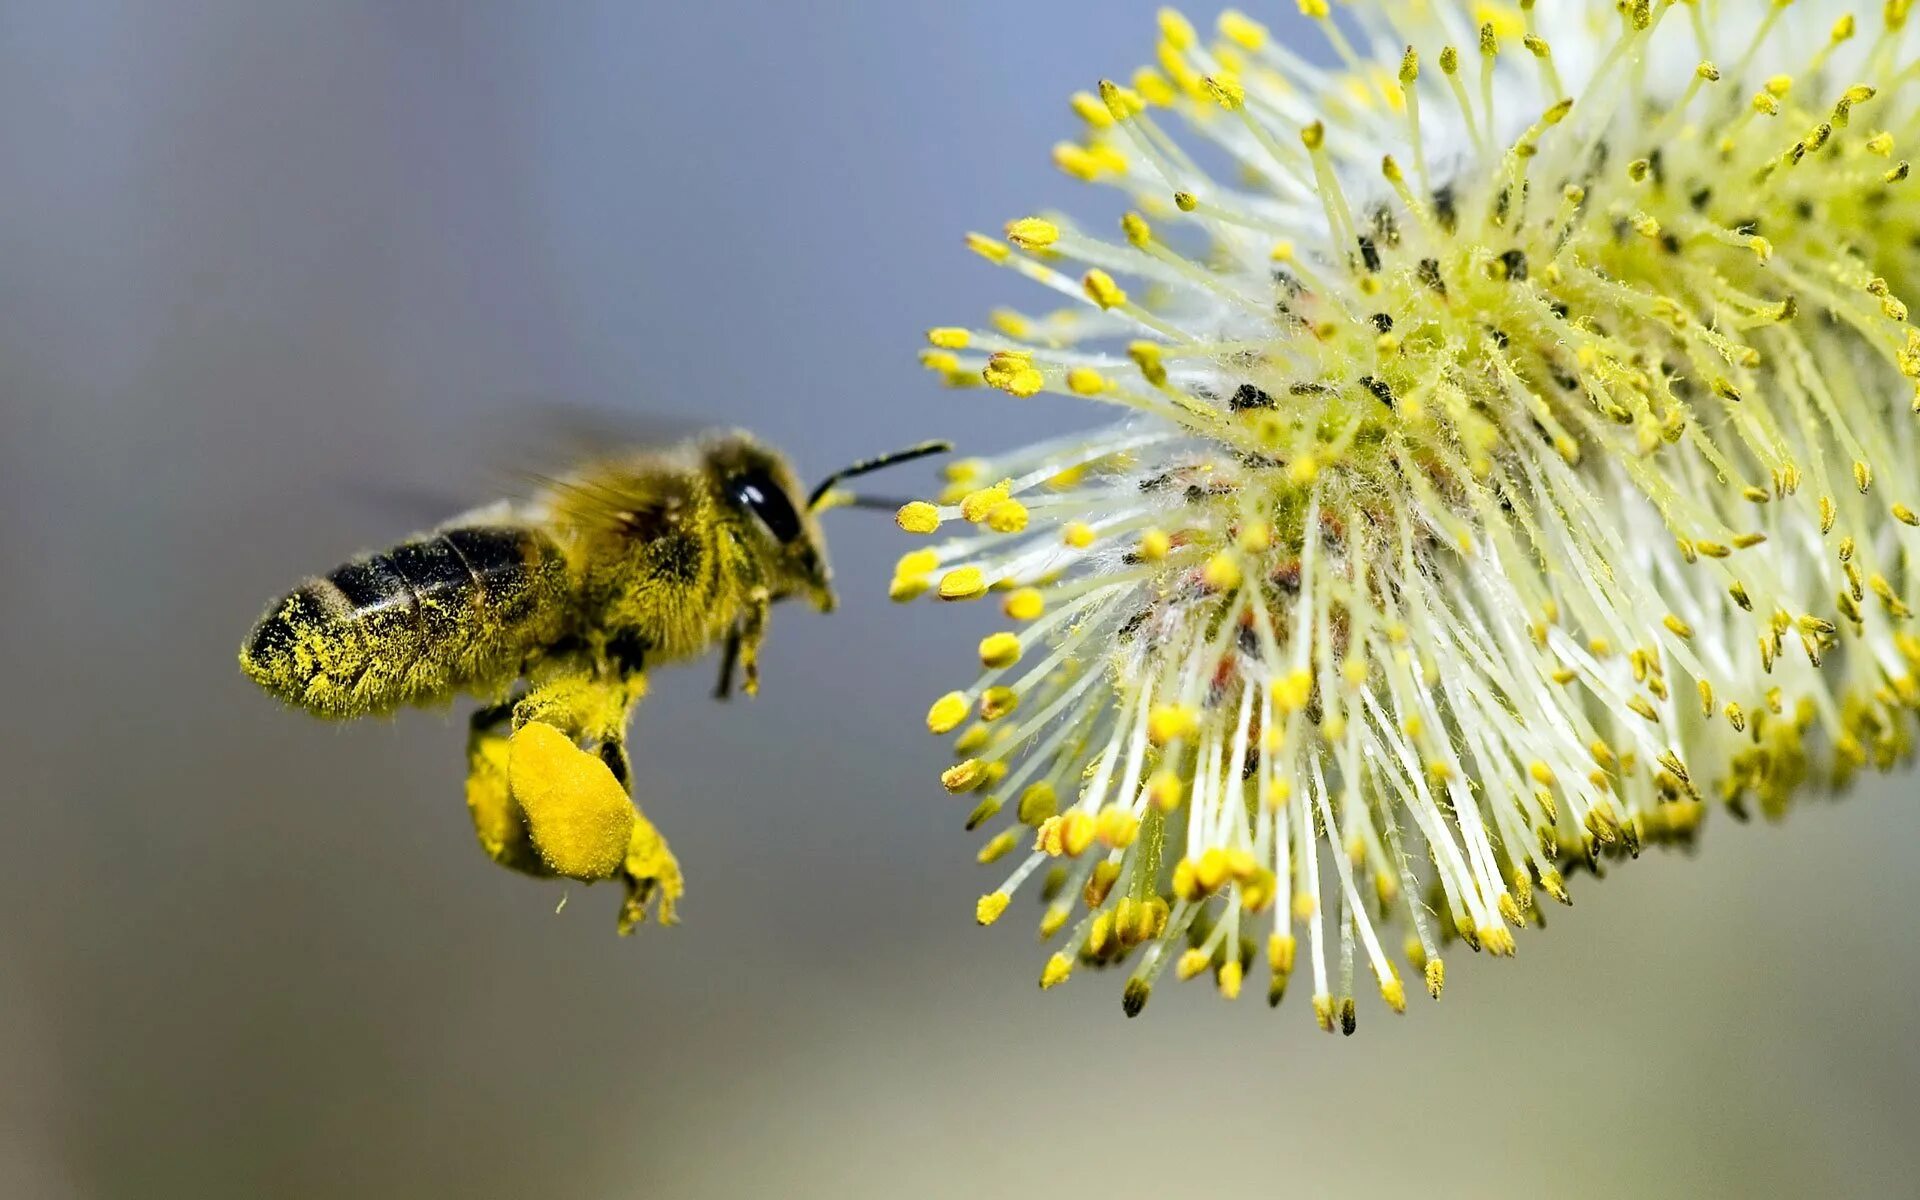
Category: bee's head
[769,505]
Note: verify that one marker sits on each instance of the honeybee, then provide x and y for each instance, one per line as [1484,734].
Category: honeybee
[553,610]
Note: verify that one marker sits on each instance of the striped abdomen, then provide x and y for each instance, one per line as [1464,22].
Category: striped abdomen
[450,611]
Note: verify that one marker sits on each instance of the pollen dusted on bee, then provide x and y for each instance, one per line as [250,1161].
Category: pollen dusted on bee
[1513,457]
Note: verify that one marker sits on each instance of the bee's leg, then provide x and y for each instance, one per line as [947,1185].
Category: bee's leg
[729,659]
[613,752]
[752,632]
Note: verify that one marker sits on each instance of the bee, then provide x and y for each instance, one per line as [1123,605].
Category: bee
[553,610]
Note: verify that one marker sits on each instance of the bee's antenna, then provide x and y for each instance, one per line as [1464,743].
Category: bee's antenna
[825,486]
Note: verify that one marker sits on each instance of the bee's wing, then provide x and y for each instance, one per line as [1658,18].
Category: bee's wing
[518,454]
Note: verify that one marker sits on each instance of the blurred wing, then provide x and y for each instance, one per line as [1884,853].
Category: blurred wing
[516,453]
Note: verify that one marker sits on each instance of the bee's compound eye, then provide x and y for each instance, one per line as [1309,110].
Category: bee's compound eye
[767,500]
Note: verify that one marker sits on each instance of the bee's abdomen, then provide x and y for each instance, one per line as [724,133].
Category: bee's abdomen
[455,610]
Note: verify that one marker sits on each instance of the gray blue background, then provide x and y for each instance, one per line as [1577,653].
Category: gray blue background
[259,261]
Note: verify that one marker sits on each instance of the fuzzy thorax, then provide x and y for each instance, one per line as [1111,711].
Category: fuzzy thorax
[1515,457]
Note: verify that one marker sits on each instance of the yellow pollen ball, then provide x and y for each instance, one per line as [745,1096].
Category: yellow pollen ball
[964,776]
[999,650]
[578,817]
[1008,516]
[917,516]
[1025,604]
[1166,790]
[1222,572]
[990,906]
[1103,290]
[1079,535]
[1154,545]
[977,504]
[947,713]
[1171,723]
[1085,381]
[1032,233]
[963,583]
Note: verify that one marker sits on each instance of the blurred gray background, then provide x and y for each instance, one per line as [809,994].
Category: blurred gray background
[254,256]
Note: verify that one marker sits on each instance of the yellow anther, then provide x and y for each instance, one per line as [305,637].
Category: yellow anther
[1282,251]
[939,361]
[1121,102]
[1103,290]
[1155,544]
[1191,963]
[1038,804]
[1147,356]
[989,907]
[999,650]
[997,702]
[1032,233]
[1255,537]
[1057,969]
[1314,136]
[1166,790]
[917,516]
[964,776]
[1013,371]
[1024,604]
[947,713]
[1089,108]
[1079,535]
[948,337]
[999,845]
[1449,60]
[1242,30]
[1171,723]
[1135,226]
[1315,9]
[963,583]
[1176,29]
[1077,161]
[1904,515]
[1227,90]
[1881,144]
[1008,516]
[987,248]
[1153,87]
[1116,827]
[1222,572]
[975,506]
[1292,690]
[1085,381]
[1679,628]
[1228,979]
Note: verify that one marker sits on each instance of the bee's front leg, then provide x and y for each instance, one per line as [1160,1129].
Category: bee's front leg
[752,632]
[729,659]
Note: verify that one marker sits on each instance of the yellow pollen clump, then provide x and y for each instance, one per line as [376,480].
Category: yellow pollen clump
[1008,516]
[1292,690]
[1013,372]
[1079,535]
[963,583]
[917,516]
[1024,604]
[1155,544]
[999,650]
[1056,971]
[1171,723]
[975,506]
[1222,572]
[964,776]
[1085,381]
[1103,290]
[578,817]
[1032,233]
[947,713]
